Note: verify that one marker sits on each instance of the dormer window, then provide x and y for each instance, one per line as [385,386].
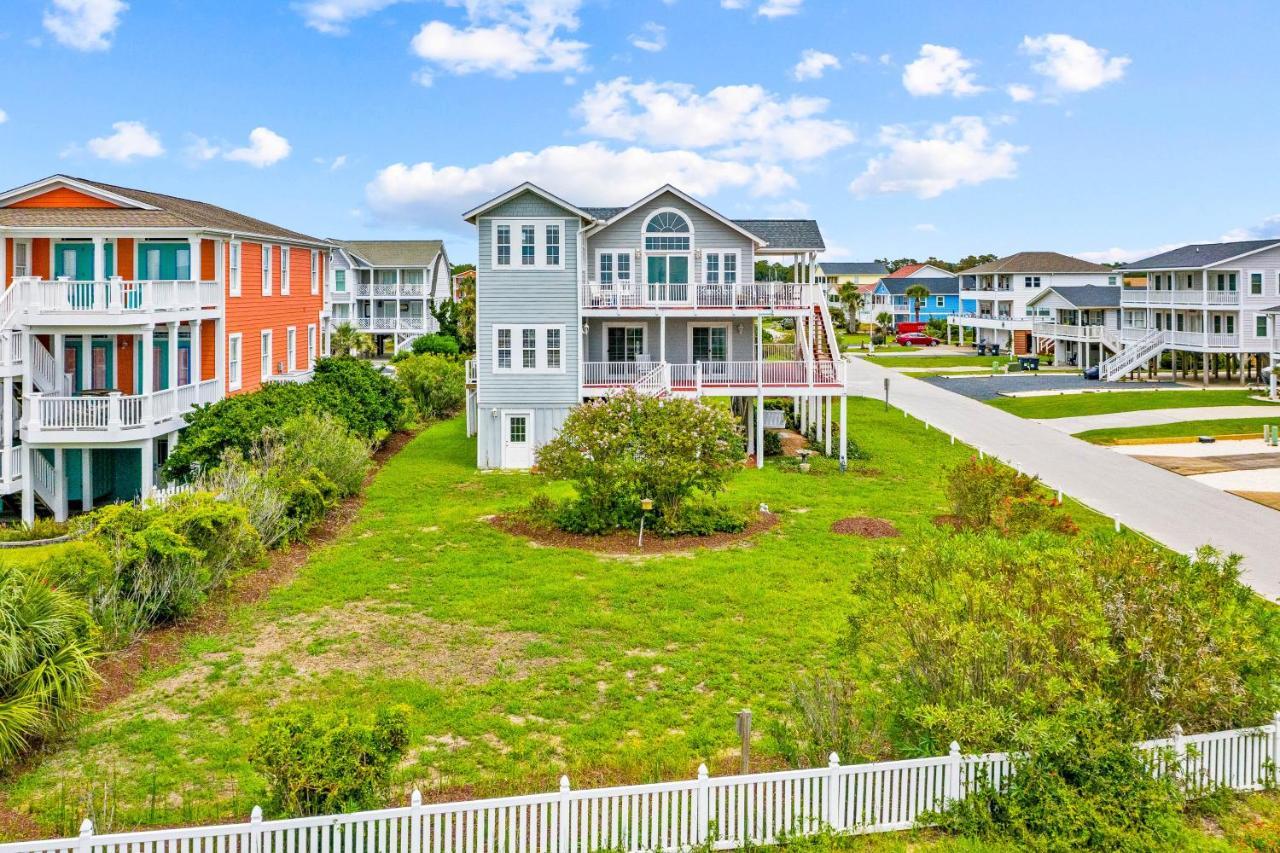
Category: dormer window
[667,231]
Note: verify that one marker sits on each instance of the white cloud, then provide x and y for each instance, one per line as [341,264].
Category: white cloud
[1020,93]
[332,16]
[265,148]
[886,59]
[813,64]
[779,8]
[957,153]
[1118,255]
[84,24]
[505,38]
[591,173]
[940,70]
[202,150]
[130,141]
[1264,230]
[1072,65]
[738,121]
[652,37]
[926,228]
[732,4]
[333,164]
[4,116]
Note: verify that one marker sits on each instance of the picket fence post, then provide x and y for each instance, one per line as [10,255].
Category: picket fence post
[1275,747]
[86,836]
[415,821]
[1179,753]
[702,814]
[565,810]
[255,830]
[830,791]
[955,764]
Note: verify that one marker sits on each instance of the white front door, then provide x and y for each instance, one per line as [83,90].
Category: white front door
[517,440]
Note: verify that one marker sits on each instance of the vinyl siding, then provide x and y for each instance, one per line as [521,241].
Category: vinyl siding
[63,197]
[742,342]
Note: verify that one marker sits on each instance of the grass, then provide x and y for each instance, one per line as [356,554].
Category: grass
[1183,429]
[35,555]
[519,662]
[937,361]
[1102,403]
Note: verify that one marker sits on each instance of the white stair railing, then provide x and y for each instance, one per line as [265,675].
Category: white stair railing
[1133,355]
[44,479]
[653,383]
[44,369]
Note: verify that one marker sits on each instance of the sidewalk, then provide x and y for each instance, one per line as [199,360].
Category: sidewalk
[1174,510]
[1151,417]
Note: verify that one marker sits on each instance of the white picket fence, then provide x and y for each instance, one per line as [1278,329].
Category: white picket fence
[725,812]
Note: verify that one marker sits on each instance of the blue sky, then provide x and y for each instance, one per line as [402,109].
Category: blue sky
[1099,128]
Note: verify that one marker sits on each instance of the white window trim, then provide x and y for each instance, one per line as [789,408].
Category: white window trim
[236,259]
[721,254]
[284,270]
[1262,282]
[539,244]
[291,348]
[644,339]
[615,254]
[235,378]
[644,226]
[540,348]
[266,353]
[728,337]
[266,269]
[316,264]
[311,346]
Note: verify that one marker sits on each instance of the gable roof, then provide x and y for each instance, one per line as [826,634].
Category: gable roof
[393,253]
[1084,295]
[908,270]
[686,198]
[786,234]
[139,209]
[938,286]
[853,268]
[1030,262]
[1200,255]
[527,186]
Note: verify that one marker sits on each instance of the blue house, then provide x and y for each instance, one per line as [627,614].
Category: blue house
[891,295]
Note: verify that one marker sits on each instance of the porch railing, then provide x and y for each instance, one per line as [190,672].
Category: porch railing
[413,323]
[115,411]
[1140,296]
[744,296]
[116,296]
[717,374]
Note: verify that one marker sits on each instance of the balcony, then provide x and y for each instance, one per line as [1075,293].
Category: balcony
[755,296]
[383,290]
[393,325]
[1141,297]
[980,321]
[715,378]
[106,302]
[1196,341]
[1066,331]
[111,416]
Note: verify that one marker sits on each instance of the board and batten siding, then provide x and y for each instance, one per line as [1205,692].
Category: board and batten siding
[524,297]
[709,234]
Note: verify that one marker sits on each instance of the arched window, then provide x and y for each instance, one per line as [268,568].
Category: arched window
[667,231]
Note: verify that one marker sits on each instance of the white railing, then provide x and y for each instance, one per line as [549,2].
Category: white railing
[116,412]
[1138,296]
[471,371]
[116,296]
[45,369]
[717,374]
[1067,330]
[44,479]
[717,813]
[384,290]
[393,324]
[1133,354]
[654,383]
[752,295]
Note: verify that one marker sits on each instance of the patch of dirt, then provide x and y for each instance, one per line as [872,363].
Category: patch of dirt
[867,528]
[624,543]
[950,522]
[792,442]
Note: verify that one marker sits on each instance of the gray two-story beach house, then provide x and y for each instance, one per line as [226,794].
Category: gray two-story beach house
[575,303]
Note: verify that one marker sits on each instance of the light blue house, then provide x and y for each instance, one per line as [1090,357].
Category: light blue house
[944,298]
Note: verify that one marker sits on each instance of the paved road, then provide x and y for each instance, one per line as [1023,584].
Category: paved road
[1179,512]
[988,388]
[1159,416]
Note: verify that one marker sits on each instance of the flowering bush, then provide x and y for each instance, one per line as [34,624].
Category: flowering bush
[620,450]
[986,495]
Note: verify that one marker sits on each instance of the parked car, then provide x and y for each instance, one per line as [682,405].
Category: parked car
[916,339]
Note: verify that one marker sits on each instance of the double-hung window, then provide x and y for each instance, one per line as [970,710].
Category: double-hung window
[234,284]
[541,244]
[339,281]
[1255,284]
[265,356]
[614,268]
[291,349]
[234,361]
[266,270]
[1260,326]
[315,272]
[528,245]
[504,245]
[553,245]
[720,267]
[284,270]
[606,269]
[21,264]
[528,349]
[1031,281]
[311,346]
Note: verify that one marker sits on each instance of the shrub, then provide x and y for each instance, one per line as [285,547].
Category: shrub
[242,481]
[975,638]
[372,405]
[42,528]
[878,339]
[48,641]
[437,384]
[325,444]
[987,495]
[438,344]
[772,443]
[321,764]
[702,516]
[821,723]
[621,449]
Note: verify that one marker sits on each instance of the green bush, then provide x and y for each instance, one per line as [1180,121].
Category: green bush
[986,495]
[327,764]
[620,450]
[372,405]
[438,344]
[772,443]
[42,528]
[325,444]
[437,383]
[701,516]
[47,640]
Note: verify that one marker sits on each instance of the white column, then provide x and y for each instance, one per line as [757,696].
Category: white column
[760,429]
[4,275]
[194,243]
[173,355]
[662,338]
[844,432]
[147,381]
[196,373]
[59,358]
[827,439]
[60,511]
[99,259]
[28,487]
[9,425]
[85,365]
[220,354]
[752,450]
[148,484]
[86,479]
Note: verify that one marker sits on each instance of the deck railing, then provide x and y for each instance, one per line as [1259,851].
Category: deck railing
[116,412]
[717,374]
[718,813]
[116,296]
[744,296]
[1140,296]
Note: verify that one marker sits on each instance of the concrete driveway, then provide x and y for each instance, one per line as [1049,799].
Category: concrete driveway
[988,388]
[1151,417]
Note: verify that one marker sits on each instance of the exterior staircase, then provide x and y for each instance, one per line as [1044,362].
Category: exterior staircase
[1132,356]
[44,480]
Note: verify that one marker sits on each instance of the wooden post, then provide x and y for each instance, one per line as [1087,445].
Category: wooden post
[744,736]
[844,433]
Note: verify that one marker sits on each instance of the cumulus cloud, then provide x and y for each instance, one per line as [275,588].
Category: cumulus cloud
[591,173]
[84,24]
[202,150]
[957,153]
[505,38]
[1118,255]
[940,70]
[813,64]
[737,121]
[4,116]
[265,148]
[130,141]
[1265,230]
[333,16]
[652,37]
[1019,92]
[767,8]
[1072,65]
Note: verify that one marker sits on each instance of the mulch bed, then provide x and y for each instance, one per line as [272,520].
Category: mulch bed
[624,542]
[866,527]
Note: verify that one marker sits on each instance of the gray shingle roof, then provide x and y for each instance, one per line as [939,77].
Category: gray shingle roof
[1199,255]
[394,253]
[938,285]
[1090,295]
[778,233]
[853,268]
[602,212]
[1023,262]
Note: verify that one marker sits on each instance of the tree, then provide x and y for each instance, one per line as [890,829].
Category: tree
[917,293]
[894,266]
[884,323]
[970,261]
[466,314]
[348,342]
[766,271]
[853,300]
[447,314]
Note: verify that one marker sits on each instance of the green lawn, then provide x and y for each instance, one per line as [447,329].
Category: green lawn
[937,360]
[519,662]
[1107,402]
[1187,429]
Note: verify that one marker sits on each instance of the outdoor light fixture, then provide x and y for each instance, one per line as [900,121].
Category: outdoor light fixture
[646,504]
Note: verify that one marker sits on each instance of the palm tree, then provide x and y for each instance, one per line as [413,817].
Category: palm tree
[884,322]
[853,300]
[349,341]
[917,293]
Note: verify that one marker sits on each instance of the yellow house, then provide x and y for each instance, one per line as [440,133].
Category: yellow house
[865,274]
